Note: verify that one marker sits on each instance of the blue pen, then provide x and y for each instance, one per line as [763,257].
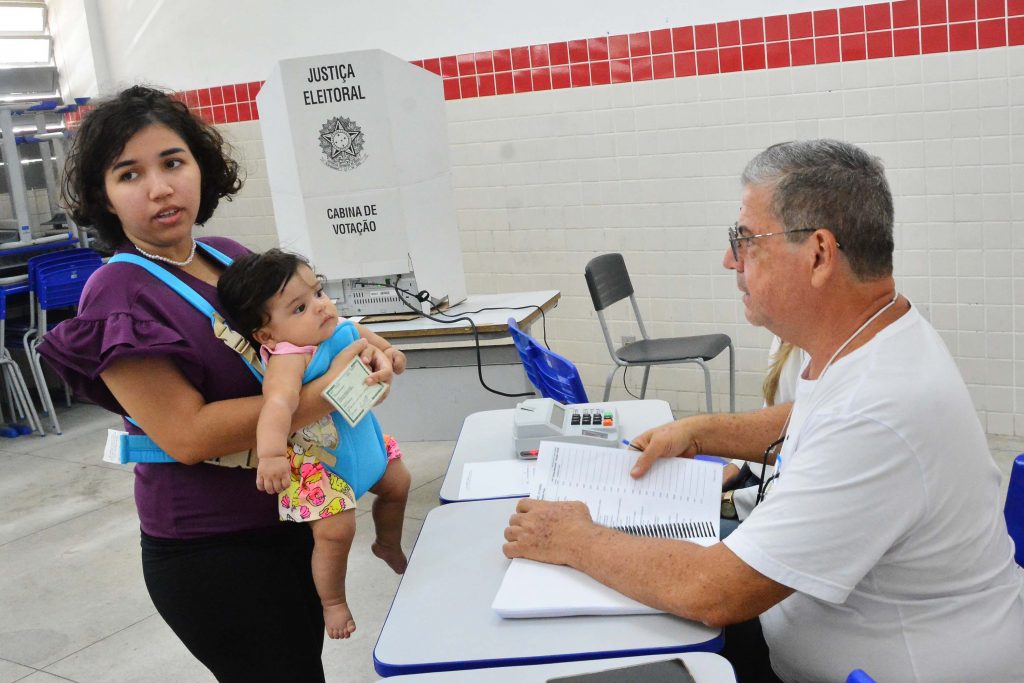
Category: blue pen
[625,442]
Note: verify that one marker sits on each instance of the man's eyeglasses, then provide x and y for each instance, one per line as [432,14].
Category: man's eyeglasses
[739,241]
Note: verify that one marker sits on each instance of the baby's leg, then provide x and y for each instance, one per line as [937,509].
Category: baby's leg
[333,536]
[392,491]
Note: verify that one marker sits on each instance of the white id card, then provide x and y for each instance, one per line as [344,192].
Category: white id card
[350,396]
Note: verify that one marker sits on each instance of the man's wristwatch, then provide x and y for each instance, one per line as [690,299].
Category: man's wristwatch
[728,506]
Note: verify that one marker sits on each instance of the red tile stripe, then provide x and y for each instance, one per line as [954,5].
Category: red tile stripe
[220,104]
[848,34]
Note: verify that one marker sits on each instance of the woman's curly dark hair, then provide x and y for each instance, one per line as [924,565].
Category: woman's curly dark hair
[102,137]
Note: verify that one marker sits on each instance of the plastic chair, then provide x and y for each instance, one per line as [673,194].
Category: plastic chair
[859,676]
[1014,508]
[554,376]
[19,399]
[608,282]
[55,281]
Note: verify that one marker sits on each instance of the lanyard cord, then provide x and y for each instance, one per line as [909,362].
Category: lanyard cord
[762,488]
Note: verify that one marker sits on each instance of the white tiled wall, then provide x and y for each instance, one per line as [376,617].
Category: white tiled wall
[545,181]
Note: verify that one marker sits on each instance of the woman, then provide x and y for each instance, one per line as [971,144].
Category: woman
[231,582]
[741,479]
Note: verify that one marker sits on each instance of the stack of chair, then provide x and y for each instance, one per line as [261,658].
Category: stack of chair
[55,281]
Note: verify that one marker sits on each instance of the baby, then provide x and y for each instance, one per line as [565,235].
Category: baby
[277,301]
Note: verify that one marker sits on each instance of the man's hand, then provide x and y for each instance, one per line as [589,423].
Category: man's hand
[547,531]
[273,474]
[667,441]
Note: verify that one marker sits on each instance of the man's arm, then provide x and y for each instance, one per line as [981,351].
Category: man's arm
[729,435]
[710,585]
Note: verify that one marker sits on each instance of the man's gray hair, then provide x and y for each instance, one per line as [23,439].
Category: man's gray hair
[833,185]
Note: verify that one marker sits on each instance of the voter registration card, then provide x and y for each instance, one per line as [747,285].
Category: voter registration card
[350,396]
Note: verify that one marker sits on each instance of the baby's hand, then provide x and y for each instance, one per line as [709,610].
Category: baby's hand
[273,474]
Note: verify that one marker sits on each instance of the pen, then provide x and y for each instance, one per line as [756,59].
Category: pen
[627,443]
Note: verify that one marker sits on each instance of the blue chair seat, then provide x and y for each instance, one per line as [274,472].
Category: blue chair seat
[1014,508]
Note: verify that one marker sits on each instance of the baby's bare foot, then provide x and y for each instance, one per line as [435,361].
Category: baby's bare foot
[393,555]
[338,620]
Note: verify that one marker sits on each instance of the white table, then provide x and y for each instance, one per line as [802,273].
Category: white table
[490,324]
[487,436]
[441,385]
[705,667]
[441,618]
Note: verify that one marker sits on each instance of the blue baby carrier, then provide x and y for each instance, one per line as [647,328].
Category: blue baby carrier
[361,458]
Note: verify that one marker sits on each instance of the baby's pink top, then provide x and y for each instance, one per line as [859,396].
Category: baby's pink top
[283,348]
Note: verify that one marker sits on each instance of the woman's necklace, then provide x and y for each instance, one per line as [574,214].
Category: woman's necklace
[180,264]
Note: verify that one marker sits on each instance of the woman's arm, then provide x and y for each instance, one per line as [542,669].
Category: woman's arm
[176,416]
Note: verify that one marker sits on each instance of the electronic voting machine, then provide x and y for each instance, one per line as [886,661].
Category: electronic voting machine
[544,419]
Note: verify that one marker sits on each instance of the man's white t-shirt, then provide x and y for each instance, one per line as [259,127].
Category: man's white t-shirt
[886,520]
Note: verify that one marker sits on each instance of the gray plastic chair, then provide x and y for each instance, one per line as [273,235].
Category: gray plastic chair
[608,282]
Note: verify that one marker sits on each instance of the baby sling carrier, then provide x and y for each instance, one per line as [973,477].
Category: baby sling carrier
[357,455]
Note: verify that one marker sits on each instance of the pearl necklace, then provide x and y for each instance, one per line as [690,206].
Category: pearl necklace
[180,264]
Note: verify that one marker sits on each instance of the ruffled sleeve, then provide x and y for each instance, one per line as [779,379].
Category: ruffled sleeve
[125,312]
[80,349]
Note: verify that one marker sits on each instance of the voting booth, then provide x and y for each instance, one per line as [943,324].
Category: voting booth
[357,158]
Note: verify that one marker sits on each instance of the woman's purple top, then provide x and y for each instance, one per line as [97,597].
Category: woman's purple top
[127,313]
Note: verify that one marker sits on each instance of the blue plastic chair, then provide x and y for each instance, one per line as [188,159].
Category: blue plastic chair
[859,676]
[554,376]
[1014,508]
[55,281]
[18,397]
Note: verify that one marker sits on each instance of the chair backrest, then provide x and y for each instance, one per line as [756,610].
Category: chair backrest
[554,376]
[64,256]
[859,676]
[609,283]
[10,290]
[61,286]
[1014,508]
[607,280]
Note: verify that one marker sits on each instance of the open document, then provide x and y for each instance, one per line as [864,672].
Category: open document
[678,498]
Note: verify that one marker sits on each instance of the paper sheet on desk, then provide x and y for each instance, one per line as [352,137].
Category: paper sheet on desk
[535,589]
[499,479]
[673,490]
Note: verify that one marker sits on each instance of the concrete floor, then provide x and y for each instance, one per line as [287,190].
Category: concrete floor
[72,602]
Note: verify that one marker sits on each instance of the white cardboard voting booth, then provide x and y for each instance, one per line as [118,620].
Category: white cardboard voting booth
[357,159]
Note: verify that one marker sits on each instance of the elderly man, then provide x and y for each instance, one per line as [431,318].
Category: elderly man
[880,543]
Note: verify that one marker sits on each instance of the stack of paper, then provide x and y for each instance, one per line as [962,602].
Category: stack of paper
[676,492]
